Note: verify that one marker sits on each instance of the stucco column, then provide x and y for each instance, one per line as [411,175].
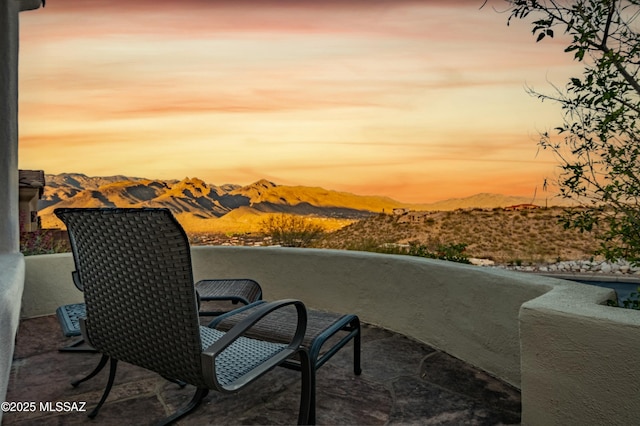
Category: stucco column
[9,222]
[9,38]
[11,261]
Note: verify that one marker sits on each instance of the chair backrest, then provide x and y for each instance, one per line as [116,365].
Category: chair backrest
[135,268]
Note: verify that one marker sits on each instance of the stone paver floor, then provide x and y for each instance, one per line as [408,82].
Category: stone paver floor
[403,382]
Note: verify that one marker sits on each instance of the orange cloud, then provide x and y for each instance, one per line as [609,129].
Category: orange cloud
[415,99]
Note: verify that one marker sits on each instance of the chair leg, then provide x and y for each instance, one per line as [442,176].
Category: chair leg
[307,412]
[112,375]
[357,343]
[176,381]
[78,345]
[99,367]
[192,405]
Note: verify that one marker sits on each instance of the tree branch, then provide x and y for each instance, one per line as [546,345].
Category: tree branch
[607,26]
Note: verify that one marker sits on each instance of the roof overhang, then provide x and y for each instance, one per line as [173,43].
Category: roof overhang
[30,4]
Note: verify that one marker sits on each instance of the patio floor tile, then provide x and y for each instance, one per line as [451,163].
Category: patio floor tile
[403,382]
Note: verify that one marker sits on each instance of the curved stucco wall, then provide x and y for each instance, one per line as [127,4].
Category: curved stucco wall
[467,311]
[552,338]
[580,361]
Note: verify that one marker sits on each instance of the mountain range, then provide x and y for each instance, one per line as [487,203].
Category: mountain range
[195,202]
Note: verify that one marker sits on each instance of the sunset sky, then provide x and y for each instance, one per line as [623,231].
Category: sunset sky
[417,100]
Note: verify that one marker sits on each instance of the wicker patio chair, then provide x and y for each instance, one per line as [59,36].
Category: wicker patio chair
[134,266]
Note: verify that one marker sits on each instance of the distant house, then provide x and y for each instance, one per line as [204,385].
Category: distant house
[522,207]
[418,216]
[31,187]
[400,211]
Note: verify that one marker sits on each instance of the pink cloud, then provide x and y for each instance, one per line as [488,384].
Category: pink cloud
[188,18]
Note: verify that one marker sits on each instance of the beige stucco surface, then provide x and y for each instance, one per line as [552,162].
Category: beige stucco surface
[48,284]
[552,338]
[11,281]
[580,361]
[9,33]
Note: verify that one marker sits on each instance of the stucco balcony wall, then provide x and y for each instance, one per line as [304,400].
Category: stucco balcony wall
[552,338]
[579,360]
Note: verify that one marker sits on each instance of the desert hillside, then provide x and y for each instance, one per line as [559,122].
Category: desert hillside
[527,236]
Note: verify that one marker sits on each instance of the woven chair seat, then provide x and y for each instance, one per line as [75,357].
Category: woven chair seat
[244,290]
[242,356]
[277,327]
[235,290]
[69,318]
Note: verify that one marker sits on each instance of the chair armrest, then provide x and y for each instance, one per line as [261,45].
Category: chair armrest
[210,353]
[241,327]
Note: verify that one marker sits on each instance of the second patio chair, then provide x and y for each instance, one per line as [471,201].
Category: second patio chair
[233,290]
[135,269]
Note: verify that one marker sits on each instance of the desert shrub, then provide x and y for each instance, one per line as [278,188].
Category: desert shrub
[451,252]
[291,230]
[44,241]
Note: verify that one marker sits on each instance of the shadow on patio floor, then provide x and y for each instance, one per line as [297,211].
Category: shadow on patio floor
[403,382]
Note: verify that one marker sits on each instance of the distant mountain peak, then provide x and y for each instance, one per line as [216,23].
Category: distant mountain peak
[256,189]
[190,188]
[192,181]
[263,183]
